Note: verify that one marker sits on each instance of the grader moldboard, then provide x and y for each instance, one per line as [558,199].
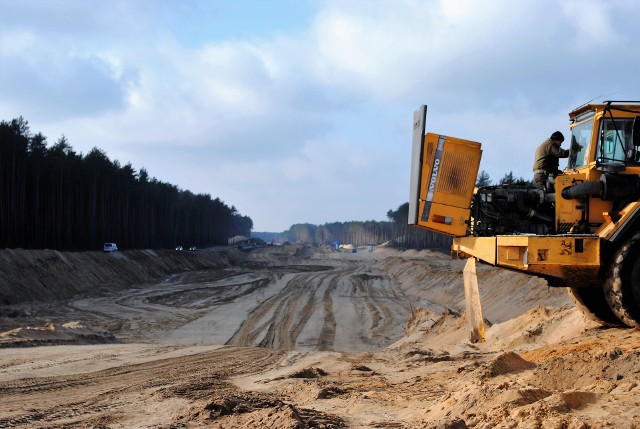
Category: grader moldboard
[583,235]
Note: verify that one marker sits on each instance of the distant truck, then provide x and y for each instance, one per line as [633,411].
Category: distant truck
[252,243]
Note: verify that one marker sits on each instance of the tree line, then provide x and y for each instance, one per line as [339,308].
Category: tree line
[396,231]
[52,197]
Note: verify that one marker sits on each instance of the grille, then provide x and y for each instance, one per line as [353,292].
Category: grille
[454,177]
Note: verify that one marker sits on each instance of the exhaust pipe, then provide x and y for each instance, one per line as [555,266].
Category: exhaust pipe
[586,189]
[619,186]
[609,187]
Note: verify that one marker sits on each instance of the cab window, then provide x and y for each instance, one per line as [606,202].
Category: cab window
[614,143]
[580,135]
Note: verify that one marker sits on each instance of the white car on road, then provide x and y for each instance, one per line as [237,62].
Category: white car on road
[110,247]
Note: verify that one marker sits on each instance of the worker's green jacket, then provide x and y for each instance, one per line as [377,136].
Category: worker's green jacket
[548,157]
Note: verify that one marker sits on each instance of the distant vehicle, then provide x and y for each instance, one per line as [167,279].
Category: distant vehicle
[252,243]
[110,247]
[192,248]
[179,248]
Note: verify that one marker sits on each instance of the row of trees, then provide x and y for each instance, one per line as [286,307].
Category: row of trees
[396,230]
[53,197]
[355,232]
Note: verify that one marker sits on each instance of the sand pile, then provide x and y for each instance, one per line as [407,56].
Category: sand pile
[319,338]
[50,275]
[550,367]
[55,334]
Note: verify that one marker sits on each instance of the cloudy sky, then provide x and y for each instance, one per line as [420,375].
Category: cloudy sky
[301,110]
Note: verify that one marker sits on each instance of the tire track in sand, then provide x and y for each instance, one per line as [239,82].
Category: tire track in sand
[72,400]
[267,324]
[279,321]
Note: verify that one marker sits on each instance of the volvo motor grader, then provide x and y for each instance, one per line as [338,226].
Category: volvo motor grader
[583,235]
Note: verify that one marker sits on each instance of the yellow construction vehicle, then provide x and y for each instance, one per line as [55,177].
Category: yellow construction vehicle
[584,235]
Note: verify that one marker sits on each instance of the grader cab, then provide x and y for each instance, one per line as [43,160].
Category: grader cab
[585,235]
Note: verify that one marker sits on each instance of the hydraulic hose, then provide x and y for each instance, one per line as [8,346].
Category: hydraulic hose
[529,212]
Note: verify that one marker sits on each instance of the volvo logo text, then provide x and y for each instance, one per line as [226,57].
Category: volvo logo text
[434,175]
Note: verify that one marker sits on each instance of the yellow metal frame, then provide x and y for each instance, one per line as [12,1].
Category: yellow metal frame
[614,221]
[444,189]
[562,256]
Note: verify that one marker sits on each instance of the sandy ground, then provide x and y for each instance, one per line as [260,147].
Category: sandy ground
[297,337]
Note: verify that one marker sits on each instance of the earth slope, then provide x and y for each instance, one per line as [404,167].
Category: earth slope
[295,337]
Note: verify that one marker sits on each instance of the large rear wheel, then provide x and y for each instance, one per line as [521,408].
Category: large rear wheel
[622,288]
[592,302]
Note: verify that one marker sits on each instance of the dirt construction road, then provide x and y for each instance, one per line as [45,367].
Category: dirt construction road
[297,337]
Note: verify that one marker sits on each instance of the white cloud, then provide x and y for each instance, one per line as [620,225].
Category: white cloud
[17,43]
[591,20]
[315,113]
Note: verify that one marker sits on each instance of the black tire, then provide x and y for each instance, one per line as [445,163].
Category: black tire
[592,302]
[622,288]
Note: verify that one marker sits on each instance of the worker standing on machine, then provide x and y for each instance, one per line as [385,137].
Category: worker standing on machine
[545,166]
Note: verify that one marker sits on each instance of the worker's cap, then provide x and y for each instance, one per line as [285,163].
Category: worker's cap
[557,136]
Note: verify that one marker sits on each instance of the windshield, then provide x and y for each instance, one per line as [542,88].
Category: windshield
[615,143]
[580,135]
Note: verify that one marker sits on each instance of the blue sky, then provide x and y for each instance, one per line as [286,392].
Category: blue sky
[301,111]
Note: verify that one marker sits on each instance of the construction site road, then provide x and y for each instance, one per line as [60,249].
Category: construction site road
[301,336]
[341,306]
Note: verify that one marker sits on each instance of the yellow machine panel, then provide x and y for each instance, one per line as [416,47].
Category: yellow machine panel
[562,256]
[614,222]
[483,248]
[449,171]
[543,250]
[568,212]
[444,171]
